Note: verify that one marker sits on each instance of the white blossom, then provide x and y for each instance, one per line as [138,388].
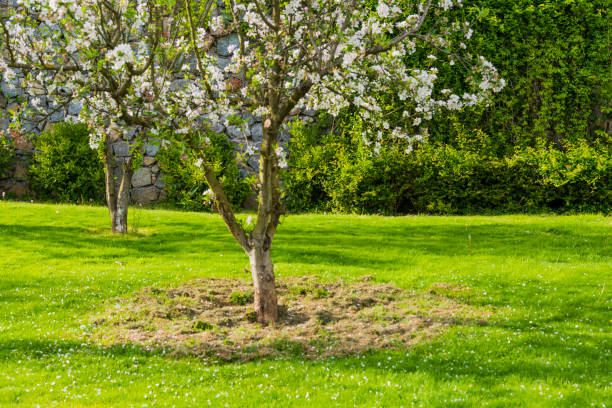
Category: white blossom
[119,56]
[383,10]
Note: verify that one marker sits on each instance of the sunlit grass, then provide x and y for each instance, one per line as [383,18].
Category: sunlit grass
[547,276]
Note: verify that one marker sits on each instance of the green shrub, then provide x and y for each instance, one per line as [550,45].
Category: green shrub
[6,156]
[539,146]
[186,184]
[555,58]
[64,167]
[337,172]
[578,179]
[313,153]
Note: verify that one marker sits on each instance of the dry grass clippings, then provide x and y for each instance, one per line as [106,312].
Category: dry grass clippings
[213,318]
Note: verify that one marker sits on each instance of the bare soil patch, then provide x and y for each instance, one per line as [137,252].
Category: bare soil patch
[213,318]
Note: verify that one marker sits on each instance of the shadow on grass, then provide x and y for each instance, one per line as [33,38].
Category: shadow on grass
[63,242]
[530,361]
[554,352]
[552,361]
[362,245]
[326,244]
[337,245]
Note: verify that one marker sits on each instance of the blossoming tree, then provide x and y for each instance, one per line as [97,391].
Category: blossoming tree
[329,54]
[119,59]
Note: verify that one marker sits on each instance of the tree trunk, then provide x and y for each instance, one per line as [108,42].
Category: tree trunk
[257,243]
[119,211]
[117,191]
[119,221]
[265,304]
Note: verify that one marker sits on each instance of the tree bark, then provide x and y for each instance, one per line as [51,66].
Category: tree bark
[262,269]
[120,210]
[117,191]
[257,243]
[268,214]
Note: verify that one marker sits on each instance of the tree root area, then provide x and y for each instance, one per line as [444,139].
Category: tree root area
[214,319]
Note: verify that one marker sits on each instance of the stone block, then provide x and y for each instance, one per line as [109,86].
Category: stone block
[148,161]
[74,108]
[57,117]
[4,123]
[235,132]
[178,85]
[12,108]
[217,128]
[146,195]
[37,90]
[38,102]
[284,136]
[21,172]
[253,162]
[21,141]
[223,62]
[151,150]
[159,183]
[257,132]
[224,44]
[115,133]
[142,177]
[130,132]
[121,149]
[11,90]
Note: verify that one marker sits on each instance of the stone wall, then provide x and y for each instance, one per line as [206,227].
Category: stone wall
[147,184]
[16,184]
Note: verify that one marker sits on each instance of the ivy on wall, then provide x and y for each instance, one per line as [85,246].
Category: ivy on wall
[556,59]
[543,144]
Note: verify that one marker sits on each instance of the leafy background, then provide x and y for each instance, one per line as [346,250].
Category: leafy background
[544,143]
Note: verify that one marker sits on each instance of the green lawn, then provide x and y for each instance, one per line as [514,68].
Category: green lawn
[547,278]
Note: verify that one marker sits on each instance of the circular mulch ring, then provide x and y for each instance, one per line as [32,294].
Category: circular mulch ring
[213,318]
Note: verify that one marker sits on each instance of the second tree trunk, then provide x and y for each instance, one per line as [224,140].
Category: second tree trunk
[119,209]
[118,179]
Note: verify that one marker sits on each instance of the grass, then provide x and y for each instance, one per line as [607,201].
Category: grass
[548,277]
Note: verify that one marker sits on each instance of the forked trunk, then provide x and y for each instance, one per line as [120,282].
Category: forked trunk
[119,210]
[257,243]
[119,221]
[117,189]
[265,304]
